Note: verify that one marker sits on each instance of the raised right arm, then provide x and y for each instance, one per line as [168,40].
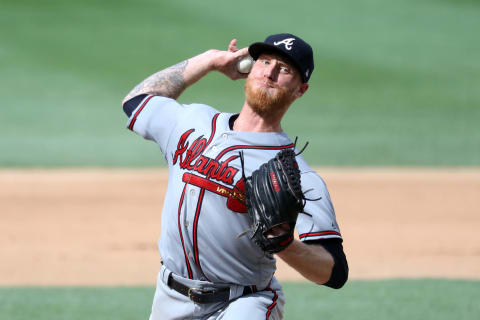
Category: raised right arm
[171,82]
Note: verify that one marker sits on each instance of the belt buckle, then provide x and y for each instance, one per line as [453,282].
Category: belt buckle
[195,293]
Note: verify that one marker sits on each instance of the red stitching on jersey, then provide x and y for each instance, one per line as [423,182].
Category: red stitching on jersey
[214,126]
[200,201]
[253,147]
[195,228]
[200,198]
[323,233]
[189,268]
[134,119]
[231,158]
[274,302]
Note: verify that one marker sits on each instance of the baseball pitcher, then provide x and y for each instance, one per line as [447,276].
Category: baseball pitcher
[238,186]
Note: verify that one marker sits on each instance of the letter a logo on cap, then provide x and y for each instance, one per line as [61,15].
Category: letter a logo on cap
[287,42]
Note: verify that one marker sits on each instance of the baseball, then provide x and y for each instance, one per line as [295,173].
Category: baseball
[245,64]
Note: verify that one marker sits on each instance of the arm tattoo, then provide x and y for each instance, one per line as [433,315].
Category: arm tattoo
[168,83]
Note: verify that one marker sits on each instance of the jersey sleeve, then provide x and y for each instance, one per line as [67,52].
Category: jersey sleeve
[155,119]
[322,223]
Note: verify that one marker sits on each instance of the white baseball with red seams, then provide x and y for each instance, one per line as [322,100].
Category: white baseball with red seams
[203,212]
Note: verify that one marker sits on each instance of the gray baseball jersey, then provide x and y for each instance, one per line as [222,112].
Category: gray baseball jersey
[203,212]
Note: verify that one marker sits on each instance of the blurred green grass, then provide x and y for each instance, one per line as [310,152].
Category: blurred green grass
[395,83]
[432,299]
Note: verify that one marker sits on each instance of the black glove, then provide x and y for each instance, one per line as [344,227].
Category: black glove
[274,198]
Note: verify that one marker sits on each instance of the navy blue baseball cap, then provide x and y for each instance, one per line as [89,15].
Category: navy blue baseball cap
[295,49]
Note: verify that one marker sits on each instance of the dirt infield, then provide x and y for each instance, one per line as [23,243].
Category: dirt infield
[99,227]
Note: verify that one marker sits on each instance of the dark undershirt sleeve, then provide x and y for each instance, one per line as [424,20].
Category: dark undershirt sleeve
[231,121]
[132,104]
[340,268]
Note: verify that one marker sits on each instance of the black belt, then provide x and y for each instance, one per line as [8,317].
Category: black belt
[200,295]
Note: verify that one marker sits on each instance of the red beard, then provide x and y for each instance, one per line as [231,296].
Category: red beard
[264,102]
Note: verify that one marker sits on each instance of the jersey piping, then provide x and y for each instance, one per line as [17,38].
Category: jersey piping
[189,268]
[274,302]
[195,231]
[197,212]
[134,119]
[317,234]
[221,154]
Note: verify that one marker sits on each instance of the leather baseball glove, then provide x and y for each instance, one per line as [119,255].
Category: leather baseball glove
[274,198]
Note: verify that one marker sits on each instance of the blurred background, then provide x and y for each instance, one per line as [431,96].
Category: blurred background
[396,85]
[395,82]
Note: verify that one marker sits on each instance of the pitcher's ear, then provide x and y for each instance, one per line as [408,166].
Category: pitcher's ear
[302,89]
